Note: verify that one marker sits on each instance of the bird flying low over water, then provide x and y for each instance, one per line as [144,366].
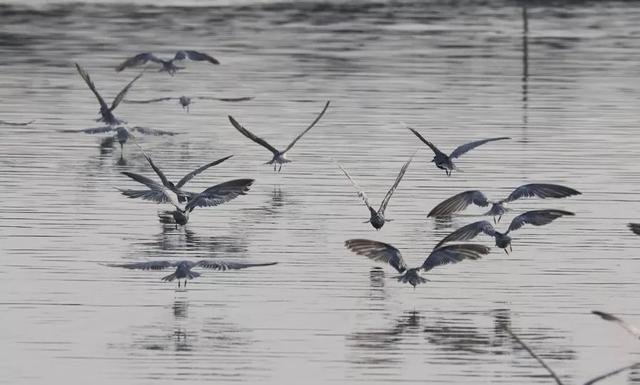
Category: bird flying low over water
[184,268]
[441,255]
[444,161]
[377,219]
[160,196]
[461,201]
[122,133]
[503,240]
[279,157]
[186,101]
[166,65]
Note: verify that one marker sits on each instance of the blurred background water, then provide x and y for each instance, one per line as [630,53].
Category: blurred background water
[561,79]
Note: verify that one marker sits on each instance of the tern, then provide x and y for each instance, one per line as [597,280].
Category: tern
[186,101]
[377,219]
[440,255]
[444,161]
[461,201]
[167,65]
[279,157]
[503,240]
[184,268]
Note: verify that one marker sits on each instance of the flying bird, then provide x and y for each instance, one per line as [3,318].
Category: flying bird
[279,157]
[106,111]
[166,65]
[440,255]
[444,161]
[4,122]
[186,101]
[635,227]
[184,268]
[503,240]
[377,219]
[461,201]
[161,195]
[634,331]
[122,133]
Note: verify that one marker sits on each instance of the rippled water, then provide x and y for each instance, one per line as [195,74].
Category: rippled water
[565,88]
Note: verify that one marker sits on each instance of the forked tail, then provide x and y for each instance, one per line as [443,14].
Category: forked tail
[412,276]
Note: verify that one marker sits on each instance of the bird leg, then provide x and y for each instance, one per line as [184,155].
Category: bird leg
[510,247]
[494,220]
[505,250]
[178,283]
[274,167]
[500,217]
[280,168]
[185,283]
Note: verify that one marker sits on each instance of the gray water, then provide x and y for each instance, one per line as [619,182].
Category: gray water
[565,88]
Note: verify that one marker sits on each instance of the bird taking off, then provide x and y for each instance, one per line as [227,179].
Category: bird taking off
[461,201]
[279,157]
[377,219]
[444,161]
[186,101]
[167,66]
[441,255]
[503,240]
[184,268]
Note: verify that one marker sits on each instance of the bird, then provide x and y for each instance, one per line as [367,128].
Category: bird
[106,111]
[440,255]
[633,330]
[123,133]
[167,65]
[4,122]
[377,219]
[279,157]
[186,101]
[462,200]
[444,161]
[503,240]
[176,188]
[635,227]
[184,267]
[213,196]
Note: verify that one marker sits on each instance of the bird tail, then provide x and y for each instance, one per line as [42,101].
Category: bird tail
[412,277]
[193,274]
[169,277]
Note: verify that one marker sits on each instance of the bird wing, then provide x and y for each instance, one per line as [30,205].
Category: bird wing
[467,232]
[454,254]
[536,218]
[122,93]
[361,193]
[385,201]
[377,251]
[458,203]
[243,99]
[220,193]
[137,60]
[156,196]
[225,265]
[149,100]
[152,265]
[163,178]
[195,56]
[431,145]
[627,326]
[308,128]
[93,130]
[541,190]
[251,136]
[16,123]
[197,171]
[460,150]
[152,131]
[87,79]
[635,227]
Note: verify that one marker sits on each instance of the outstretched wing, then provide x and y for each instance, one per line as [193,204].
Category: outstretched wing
[467,232]
[122,93]
[158,193]
[93,130]
[220,193]
[152,131]
[149,100]
[152,265]
[251,136]
[541,190]
[197,171]
[458,152]
[195,55]
[308,128]
[361,193]
[454,254]
[377,251]
[635,227]
[163,178]
[458,203]
[431,145]
[385,201]
[156,196]
[225,265]
[537,218]
[243,99]
[87,79]
[627,326]
[16,123]
[137,60]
